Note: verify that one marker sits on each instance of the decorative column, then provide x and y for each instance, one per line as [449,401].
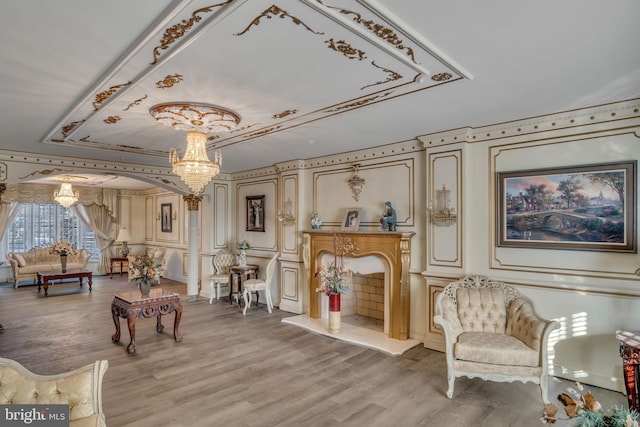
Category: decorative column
[193,203]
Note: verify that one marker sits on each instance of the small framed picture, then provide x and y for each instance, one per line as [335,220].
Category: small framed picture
[352,218]
[165,217]
[255,213]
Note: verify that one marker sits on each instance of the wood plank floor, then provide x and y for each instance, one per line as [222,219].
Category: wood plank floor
[253,370]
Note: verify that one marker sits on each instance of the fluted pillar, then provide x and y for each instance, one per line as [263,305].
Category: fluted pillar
[193,204]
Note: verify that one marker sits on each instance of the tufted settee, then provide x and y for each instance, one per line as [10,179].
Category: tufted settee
[492,332]
[25,265]
[81,389]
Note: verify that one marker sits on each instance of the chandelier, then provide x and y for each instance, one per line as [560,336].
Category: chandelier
[195,168]
[66,196]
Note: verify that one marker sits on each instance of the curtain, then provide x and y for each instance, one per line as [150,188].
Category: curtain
[99,219]
[8,212]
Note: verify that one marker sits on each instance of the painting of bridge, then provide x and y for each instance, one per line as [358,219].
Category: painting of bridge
[583,207]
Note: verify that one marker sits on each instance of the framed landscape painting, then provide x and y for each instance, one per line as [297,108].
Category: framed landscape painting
[589,207]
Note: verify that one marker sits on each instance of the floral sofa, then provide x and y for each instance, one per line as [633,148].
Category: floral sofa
[81,389]
[25,265]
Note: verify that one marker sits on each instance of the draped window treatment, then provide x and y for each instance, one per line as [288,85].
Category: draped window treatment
[8,212]
[96,208]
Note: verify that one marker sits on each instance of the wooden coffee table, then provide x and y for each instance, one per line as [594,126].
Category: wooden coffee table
[131,305]
[45,276]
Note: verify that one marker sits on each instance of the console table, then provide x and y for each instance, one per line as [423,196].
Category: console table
[630,353]
[131,305]
[117,260]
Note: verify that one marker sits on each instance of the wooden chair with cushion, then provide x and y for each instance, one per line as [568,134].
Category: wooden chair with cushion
[221,262]
[256,285]
[492,332]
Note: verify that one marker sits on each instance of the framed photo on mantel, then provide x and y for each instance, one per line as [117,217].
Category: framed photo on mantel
[352,217]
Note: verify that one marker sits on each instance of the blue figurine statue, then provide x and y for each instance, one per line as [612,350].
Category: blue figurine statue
[316,222]
[388,219]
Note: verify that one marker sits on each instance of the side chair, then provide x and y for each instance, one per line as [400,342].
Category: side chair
[255,285]
[221,262]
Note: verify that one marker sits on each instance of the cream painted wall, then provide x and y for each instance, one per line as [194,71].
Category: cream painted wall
[591,293]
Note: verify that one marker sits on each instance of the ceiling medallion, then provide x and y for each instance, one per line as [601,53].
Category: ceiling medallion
[195,116]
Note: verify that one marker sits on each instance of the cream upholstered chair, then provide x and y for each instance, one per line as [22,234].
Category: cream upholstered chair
[221,262]
[256,285]
[81,389]
[492,332]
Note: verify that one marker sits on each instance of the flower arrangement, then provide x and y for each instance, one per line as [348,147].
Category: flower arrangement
[63,247]
[244,245]
[588,412]
[334,277]
[143,269]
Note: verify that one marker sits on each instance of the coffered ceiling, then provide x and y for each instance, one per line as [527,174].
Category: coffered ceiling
[305,77]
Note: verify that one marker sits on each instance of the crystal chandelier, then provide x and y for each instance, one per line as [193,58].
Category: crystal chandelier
[66,196]
[195,169]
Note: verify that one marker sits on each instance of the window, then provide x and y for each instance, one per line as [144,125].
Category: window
[38,225]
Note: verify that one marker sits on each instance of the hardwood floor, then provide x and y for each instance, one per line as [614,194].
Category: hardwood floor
[253,370]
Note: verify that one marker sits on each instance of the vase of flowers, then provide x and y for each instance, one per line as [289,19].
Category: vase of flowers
[63,248]
[242,247]
[143,272]
[588,412]
[334,279]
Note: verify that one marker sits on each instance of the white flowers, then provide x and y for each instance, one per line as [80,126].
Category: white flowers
[63,247]
[143,269]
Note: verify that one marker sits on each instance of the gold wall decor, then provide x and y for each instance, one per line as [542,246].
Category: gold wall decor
[136,102]
[346,49]
[280,13]
[66,129]
[360,103]
[392,76]
[284,114]
[193,201]
[175,32]
[385,33]
[112,120]
[169,81]
[441,77]
[356,182]
[103,96]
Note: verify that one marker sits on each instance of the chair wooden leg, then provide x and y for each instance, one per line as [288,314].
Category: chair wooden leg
[247,301]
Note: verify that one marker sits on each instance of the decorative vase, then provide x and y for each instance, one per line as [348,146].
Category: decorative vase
[243,258]
[63,262]
[145,287]
[334,313]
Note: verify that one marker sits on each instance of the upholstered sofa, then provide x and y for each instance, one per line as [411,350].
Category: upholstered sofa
[81,389]
[25,265]
[492,332]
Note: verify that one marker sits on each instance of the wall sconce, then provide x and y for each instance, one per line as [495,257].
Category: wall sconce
[287,218]
[443,214]
[355,182]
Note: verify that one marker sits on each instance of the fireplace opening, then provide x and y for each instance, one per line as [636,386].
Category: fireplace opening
[364,306]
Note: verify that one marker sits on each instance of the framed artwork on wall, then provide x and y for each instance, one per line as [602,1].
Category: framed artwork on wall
[165,217]
[255,213]
[590,207]
[351,219]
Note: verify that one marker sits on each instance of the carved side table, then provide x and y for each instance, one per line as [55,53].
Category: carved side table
[131,305]
[630,353]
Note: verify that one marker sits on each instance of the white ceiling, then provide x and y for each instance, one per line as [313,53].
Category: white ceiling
[307,77]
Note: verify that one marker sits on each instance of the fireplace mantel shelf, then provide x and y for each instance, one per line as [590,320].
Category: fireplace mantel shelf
[393,247]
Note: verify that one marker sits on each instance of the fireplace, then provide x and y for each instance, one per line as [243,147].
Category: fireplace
[394,251]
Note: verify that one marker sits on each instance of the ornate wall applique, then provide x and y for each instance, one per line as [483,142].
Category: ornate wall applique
[385,33]
[360,102]
[280,13]
[112,120]
[175,32]
[169,81]
[284,114]
[103,96]
[136,102]
[66,129]
[392,76]
[346,49]
[441,77]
